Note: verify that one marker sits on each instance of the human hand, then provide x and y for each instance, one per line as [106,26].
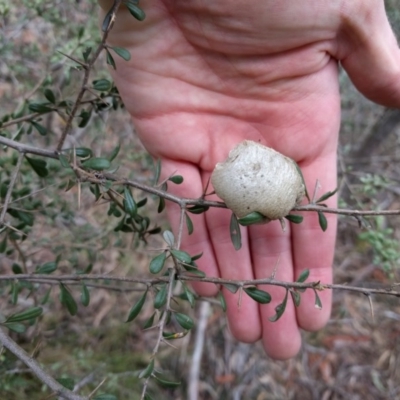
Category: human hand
[204,76]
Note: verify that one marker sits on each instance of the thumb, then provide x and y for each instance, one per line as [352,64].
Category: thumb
[371,55]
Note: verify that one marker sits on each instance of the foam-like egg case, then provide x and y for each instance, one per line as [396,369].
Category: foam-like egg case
[257,178]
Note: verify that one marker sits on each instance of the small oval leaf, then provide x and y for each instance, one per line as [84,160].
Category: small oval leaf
[30,313]
[184,321]
[177,179]
[260,296]
[182,256]
[67,300]
[129,203]
[161,297]
[148,370]
[295,219]
[157,263]
[303,276]
[253,218]
[85,295]
[234,229]
[280,309]
[323,223]
[97,164]
[123,53]
[136,308]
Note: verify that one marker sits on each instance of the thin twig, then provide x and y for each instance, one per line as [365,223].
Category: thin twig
[183,201]
[11,187]
[88,70]
[161,325]
[68,279]
[34,366]
[194,372]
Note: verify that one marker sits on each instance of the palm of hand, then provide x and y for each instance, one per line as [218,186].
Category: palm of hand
[203,78]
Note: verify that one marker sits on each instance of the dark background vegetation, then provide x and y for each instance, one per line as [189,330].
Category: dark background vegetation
[355,357]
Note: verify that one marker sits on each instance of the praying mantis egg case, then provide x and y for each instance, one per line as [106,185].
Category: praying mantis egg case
[257,178]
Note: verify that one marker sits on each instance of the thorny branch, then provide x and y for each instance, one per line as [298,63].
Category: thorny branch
[75,279]
[34,366]
[88,69]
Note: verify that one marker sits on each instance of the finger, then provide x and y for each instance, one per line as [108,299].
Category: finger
[242,312]
[199,241]
[313,249]
[272,257]
[370,54]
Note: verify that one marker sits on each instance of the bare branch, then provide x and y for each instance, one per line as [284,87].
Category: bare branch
[88,70]
[11,187]
[34,366]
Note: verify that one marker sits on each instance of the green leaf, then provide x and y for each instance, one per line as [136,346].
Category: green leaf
[161,297]
[129,203]
[82,152]
[16,268]
[86,53]
[182,256]
[323,223]
[149,323]
[222,300]
[102,85]
[40,108]
[169,238]
[15,327]
[3,244]
[30,313]
[14,292]
[136,308]
[135,11]
[260,296]
[40,128]
[197,209]
[49,94]
[114,153]
[67,300]
[303,276]
[123,53]
[280,309]
[66,382]
[47,268]
[110,59]
[157,263]
[157,172]
[161,205]
[194,270]
[295,219]
[184,321]
[253,218]
[189,224]
[142,202]
[148,370]
[85,295]
[166,383]
[46,297]
[38,165]
[327,195]
[177,179]
[317,303]
[190,297]
[236,236]
[98,164]
[64,161]
[296,297]
[231,287]
[107,20]
[197,256]
[174,335]
[85,117]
